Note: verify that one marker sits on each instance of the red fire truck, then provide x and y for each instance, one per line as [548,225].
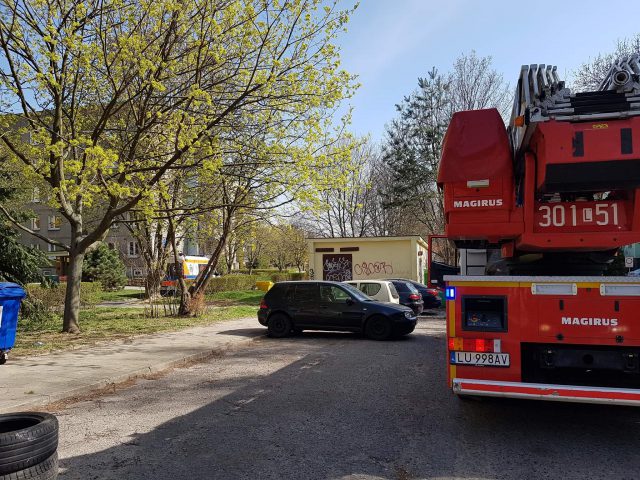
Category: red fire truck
[548,203]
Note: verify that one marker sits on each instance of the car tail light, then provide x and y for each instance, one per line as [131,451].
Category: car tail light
[413,296]
[263,304]
[474,344]
[433,291]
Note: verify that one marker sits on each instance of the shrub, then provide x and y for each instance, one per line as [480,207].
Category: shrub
[198,305]
[18,263]
[279,277]
[34,315]
[298,276]
[292,276]
[232,282]
[104,265]
[51,298]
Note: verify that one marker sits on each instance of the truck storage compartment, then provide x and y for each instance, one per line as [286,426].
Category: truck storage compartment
[585,365]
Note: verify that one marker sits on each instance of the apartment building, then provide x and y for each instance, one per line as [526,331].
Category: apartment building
[48,222]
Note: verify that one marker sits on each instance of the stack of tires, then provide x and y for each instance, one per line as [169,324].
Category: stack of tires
[28,446]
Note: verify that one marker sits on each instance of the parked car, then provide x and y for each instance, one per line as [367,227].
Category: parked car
[409,296]
[291,307]
[431,297]
[380,290]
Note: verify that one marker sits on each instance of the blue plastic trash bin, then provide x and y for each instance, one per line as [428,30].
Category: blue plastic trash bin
[11,296]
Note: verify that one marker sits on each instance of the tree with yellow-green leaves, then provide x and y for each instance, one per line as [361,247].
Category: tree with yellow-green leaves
[101,100]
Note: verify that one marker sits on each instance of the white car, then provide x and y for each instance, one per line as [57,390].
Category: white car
[380,290]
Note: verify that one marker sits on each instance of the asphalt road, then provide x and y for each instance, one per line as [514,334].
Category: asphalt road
[336,406]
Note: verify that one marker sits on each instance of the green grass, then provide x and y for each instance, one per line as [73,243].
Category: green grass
[122,295]
[103,323]
[236,297]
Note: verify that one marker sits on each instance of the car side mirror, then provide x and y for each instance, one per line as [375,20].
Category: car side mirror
[350,301]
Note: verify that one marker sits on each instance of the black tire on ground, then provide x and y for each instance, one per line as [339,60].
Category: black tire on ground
[3,358]
[26,439]
[378,328]
[46,470]
[279,326]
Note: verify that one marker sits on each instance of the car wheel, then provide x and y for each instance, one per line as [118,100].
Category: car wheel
[278,326]
[378,328]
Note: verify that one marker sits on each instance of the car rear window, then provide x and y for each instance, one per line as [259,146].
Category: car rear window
[370,289]
[277,292]
[412,289]
[394,292]
[402,286]
[356,293]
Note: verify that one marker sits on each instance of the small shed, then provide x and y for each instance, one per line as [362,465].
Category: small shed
[341,259]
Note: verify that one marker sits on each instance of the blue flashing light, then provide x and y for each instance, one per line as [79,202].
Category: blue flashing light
[450,293]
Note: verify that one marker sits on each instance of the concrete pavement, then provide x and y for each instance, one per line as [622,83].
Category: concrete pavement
[334,406]
[32,382]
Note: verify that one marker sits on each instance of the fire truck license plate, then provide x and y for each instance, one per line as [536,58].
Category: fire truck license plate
[480,359]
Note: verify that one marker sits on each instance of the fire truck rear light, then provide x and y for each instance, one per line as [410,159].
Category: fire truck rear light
[456,344]
[554,289]
[610,290]
[473,345]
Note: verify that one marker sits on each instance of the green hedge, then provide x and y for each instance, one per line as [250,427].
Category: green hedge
[291,276]
[255,271]
[237,281]
[52,298]
[232,282]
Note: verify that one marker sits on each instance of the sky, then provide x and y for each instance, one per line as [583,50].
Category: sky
[390,43]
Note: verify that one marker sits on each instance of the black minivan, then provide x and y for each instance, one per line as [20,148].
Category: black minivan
[291,307]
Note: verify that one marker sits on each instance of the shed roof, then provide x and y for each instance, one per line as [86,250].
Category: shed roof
[418,238]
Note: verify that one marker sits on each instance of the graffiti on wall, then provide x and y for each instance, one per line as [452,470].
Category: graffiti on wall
[368,269]
[337,267]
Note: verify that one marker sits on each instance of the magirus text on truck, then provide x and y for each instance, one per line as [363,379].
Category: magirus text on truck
[545,205]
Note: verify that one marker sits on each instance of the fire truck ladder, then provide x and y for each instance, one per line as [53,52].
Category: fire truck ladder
[542,96]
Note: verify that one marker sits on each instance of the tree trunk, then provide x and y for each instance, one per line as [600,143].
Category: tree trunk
[153,282]
[185,298]
[70,323]
[199,286]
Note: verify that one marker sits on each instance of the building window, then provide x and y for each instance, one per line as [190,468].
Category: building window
[55,222]
[35,223]
[35,198]
[134,249]
[51,247]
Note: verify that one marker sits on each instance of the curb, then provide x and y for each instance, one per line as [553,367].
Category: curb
[100,387]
